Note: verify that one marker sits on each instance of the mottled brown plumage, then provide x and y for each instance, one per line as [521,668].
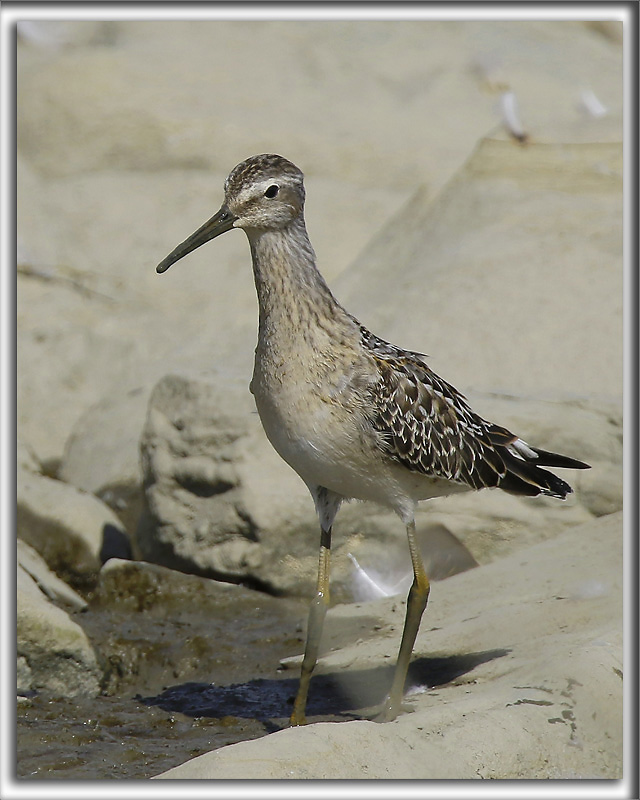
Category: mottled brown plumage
[428,426]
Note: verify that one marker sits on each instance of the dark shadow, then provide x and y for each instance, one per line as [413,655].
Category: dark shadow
[260,699]
[115,543]
[442,670]
[338,695]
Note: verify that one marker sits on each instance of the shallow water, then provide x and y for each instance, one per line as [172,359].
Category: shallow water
[178,682]
[191,665]
[114,737]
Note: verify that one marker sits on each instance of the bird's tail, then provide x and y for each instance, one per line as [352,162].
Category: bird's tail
[524,473]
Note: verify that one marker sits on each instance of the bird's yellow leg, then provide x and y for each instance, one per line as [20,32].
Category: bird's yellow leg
[317,612]
[416,604]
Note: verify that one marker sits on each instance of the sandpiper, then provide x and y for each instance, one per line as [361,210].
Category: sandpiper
[354,416]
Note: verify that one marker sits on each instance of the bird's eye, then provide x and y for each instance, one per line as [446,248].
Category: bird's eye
[272,191]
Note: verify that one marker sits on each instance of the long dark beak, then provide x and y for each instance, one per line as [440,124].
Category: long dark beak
[219,223]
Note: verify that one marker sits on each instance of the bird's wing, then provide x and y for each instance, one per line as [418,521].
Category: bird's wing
[425,424]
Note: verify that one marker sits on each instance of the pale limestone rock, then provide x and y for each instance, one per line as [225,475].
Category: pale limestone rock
[73,531]
[54,654]
[102,454]
[532,648]
[48,582]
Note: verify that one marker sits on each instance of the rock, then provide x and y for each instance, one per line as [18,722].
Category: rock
[129,125]
[24,676]
[493,523]
[54,654]
[602,490]
[47,581]
[102,455]
[54,35]
[517,674]
[610,29]
[26,459]
[137,586]
[74,532]
[523,251]
[142,587]
[193,518]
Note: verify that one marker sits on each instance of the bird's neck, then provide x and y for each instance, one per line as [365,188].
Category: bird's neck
[292,294]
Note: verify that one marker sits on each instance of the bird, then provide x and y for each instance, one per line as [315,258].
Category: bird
[355,416]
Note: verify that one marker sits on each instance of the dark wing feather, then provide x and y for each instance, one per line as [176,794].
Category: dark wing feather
[425,424]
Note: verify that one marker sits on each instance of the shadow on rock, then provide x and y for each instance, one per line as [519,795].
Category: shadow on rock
[334,696]
[257,699]
[115,543]
[443,670]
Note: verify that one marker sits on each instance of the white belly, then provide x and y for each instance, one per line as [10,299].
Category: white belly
[329,446]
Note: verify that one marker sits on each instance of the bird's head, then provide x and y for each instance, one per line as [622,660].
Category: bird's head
[265,192]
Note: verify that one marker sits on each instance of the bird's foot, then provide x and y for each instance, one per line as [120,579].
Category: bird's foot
[297,718]
[392,709]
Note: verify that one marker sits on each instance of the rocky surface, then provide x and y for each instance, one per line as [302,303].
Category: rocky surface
[54,654]
[47,581]
[102,454]
[441,232]
[518,674]
[72,530]
[552,287]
